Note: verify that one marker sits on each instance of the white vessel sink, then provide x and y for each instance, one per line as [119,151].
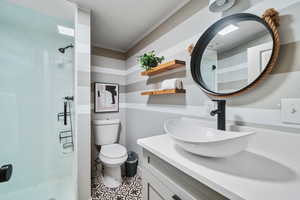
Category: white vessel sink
[201,138]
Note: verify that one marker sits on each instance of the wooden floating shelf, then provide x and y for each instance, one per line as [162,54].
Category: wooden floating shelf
[160,92]
[163,68]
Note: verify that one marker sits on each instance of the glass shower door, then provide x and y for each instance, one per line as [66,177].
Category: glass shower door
[34,78]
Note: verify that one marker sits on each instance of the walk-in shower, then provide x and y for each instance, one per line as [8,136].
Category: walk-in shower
[34,79]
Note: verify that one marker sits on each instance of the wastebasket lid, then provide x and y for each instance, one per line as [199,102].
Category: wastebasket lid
[132,156]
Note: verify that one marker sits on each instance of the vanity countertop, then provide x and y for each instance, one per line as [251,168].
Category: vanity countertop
[252,175]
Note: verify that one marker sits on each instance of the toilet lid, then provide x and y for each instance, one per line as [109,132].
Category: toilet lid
[113,151]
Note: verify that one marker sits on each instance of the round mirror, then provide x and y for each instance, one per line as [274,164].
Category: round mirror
[232,54]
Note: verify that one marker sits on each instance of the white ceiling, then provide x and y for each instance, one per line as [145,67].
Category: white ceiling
[116,24]
[119,24]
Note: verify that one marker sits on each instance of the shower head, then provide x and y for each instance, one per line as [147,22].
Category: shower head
[62,50]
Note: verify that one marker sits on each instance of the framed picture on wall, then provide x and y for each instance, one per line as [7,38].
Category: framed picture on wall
[106,97]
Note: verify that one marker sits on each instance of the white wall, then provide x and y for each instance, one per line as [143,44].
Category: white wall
[82,102]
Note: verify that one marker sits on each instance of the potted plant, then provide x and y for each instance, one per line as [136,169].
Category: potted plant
[149,60]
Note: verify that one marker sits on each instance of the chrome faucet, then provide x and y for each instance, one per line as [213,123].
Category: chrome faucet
[220,111]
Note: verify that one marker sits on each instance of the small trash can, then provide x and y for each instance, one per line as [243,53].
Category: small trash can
[131,164]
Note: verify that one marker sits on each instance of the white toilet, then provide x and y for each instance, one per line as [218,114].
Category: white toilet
[112,155]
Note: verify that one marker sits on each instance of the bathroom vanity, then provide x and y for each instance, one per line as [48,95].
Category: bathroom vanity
[263,171]
[163,181]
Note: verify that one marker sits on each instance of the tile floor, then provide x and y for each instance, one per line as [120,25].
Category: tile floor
[131,189]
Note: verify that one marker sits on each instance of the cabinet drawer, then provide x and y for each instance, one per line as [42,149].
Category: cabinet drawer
[177,182]
[156,190]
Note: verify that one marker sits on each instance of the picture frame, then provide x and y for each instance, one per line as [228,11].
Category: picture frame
[106,97]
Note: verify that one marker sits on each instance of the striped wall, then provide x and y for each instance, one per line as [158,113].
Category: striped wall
[108,67]
[109,70]
[143,116]
[82,102]
[259,107]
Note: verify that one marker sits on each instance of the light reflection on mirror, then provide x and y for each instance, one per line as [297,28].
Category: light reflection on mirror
[228,29]
[236,56]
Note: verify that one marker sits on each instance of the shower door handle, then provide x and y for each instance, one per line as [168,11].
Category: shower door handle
[5,173]
[66,113]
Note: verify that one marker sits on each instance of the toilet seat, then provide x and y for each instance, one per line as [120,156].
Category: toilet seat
[113,151]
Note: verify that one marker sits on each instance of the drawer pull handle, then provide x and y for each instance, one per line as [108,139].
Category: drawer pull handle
[175,197]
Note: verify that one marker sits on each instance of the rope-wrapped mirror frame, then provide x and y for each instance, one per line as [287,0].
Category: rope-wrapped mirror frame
[271,17]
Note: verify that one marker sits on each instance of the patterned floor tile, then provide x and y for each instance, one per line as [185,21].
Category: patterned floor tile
[131,188]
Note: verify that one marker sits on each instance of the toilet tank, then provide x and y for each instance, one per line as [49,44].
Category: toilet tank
[106,131]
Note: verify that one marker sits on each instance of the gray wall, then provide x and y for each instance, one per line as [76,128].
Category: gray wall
[259,107]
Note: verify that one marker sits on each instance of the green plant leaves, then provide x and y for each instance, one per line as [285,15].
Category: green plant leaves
[150,60]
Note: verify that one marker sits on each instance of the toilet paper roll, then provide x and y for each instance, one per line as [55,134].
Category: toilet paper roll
[171,84]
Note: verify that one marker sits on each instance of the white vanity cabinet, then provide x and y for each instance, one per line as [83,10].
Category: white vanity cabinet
[168,170]
[161,181]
